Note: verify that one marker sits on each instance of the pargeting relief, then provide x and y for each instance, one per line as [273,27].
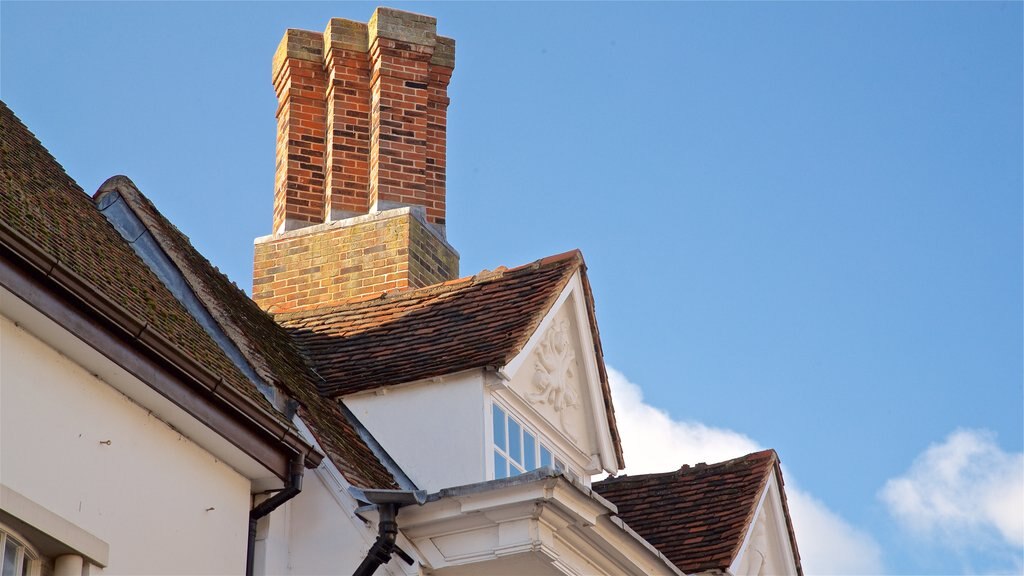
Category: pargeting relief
[554,370]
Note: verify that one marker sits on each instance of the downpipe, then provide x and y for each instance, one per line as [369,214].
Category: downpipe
[290,491]
[387,503]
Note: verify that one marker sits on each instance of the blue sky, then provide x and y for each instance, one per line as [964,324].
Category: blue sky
[803,221]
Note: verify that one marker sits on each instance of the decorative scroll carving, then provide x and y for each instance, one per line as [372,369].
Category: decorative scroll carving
[553,372]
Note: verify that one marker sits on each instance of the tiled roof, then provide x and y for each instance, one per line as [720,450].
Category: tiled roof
[266,345]
[42,204]
[404,336]
[697,516]
[473,322]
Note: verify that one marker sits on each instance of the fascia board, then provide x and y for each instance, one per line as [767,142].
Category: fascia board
[771,498]
[778,515]
[97,350]
[750,528]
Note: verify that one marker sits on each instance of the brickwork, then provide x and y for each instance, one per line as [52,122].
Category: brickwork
[347,66]
[330,264]
[398,117]
[301,123]
[437,130]
[365,131]
[362,121]
[427,264]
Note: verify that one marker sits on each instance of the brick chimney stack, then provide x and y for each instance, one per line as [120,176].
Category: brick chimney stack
[359,194]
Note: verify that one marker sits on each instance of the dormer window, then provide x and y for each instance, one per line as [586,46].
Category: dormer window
[518,449]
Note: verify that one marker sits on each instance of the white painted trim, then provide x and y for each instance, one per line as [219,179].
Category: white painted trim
[599,414]
[561,515]
[779,512]
[512,367]
[750,527]
[62,531]
[776,511]
[606,449]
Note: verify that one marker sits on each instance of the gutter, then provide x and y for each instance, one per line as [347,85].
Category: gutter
[49,294]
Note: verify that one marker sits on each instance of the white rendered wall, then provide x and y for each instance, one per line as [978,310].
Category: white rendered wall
[163,504]
[433,430]
[324,536]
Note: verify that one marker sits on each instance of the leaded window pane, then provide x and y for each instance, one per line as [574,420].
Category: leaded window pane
[498,419]
[500,466]
[529,451]
[515,441]
[545,456]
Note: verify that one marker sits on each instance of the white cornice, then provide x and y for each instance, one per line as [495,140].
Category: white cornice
[539,517]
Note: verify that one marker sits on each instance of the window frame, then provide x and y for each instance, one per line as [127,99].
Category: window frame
[27,561]
[513,468]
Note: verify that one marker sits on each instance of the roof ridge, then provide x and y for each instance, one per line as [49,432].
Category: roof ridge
[686,468]
[50,160]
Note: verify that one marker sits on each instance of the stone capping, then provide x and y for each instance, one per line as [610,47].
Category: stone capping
[347,35]
[403,27]
[444,52]
[298,44]
[357,36]
[416,212]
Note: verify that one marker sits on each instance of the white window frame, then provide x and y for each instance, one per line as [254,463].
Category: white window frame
[558,460]
[27,561]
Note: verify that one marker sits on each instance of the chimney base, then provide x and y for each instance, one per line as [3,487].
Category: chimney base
[327,264]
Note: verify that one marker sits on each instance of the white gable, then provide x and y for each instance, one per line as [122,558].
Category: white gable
[767,548]
[555,383]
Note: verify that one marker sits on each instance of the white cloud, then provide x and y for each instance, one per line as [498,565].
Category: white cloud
[965,491]
[828,544]
[653,442]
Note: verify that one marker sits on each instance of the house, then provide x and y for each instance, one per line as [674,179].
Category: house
[367,411]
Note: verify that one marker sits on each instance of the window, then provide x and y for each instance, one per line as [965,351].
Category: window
[16,558]
[517,449]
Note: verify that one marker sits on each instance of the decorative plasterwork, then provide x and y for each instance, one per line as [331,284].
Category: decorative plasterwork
[555,383]
[554,371]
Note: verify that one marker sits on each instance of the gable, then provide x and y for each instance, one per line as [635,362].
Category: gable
[769,546]
[711,518]
[556,383]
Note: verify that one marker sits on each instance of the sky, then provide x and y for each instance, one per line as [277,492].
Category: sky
[802,221]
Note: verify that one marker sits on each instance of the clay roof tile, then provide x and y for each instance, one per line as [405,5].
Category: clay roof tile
[698,516]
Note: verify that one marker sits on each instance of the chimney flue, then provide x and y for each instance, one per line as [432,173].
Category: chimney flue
[362,114]
[362,119]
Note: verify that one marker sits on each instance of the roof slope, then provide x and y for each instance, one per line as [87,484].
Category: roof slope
[266,346]
[473,322]
[41,204]
[697,516]
[398,337]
